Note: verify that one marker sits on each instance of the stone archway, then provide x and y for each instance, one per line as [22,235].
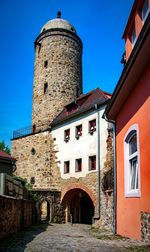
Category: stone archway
[79,206]
[44,210]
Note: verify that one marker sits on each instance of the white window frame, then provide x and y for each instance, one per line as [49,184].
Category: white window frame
[127,158]
[133,38]
[144,15]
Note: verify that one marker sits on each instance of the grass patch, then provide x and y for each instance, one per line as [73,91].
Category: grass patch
[145,248]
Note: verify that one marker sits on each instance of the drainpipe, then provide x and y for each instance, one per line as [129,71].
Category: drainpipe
[115,171]
[98,157]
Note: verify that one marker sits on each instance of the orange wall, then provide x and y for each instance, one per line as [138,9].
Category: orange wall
[136,110]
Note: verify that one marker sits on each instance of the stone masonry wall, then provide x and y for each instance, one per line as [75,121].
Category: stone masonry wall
[42,164]
[63,74]
[106,186]
[89,184]
[36,158]
[15,214]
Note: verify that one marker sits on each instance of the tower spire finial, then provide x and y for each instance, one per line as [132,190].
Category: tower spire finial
[58,14]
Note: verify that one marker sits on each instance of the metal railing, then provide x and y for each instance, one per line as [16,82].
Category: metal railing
[22,132]
[31,129]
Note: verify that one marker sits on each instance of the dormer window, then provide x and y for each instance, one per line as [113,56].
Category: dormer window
[133,37]
[72,107]
[92,126]
[78,131]
[45,87]
[145,10]
[67,135]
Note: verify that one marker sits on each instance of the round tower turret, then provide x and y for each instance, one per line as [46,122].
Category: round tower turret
[57,69]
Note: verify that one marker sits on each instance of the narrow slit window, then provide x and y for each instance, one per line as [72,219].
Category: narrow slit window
[46,63]
[45,88]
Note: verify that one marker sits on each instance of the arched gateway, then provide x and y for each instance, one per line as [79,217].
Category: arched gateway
[45,210]
[79,206]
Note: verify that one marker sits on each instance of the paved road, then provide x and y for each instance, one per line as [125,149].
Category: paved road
[59,237]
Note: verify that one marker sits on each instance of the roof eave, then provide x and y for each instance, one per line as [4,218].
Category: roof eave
[74,115]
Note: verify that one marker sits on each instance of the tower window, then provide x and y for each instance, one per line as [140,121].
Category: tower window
[33,128]
[32,180]
[66,166]
[78,91]
[46,63]
[33,151]
[45,88]
[78,165]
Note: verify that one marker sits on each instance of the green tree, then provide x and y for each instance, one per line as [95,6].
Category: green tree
[4,147]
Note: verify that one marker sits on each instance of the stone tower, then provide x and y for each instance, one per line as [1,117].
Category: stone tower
[57,70]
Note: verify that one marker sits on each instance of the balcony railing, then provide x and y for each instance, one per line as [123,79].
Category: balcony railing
[31,129]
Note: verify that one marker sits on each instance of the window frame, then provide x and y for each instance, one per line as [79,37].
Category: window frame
[144,15]
[90,163]
[133,39]
[127,162]
[78,131]
[91,131]
[66,167]
[77,167]
[66,136]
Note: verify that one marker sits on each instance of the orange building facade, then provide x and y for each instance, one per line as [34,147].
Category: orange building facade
[129,110]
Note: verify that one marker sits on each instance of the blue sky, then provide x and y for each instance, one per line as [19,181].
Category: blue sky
[99,24]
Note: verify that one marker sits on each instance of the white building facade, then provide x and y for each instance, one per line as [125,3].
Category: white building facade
[83,144]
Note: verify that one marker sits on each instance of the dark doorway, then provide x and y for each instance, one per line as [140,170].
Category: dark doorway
[81,207]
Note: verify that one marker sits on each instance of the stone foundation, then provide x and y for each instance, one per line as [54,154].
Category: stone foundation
[145,226]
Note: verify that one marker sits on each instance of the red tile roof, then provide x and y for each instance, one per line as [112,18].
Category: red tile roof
[5,155]
[84,103]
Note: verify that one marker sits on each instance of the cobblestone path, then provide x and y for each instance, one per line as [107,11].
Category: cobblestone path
[60,237]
